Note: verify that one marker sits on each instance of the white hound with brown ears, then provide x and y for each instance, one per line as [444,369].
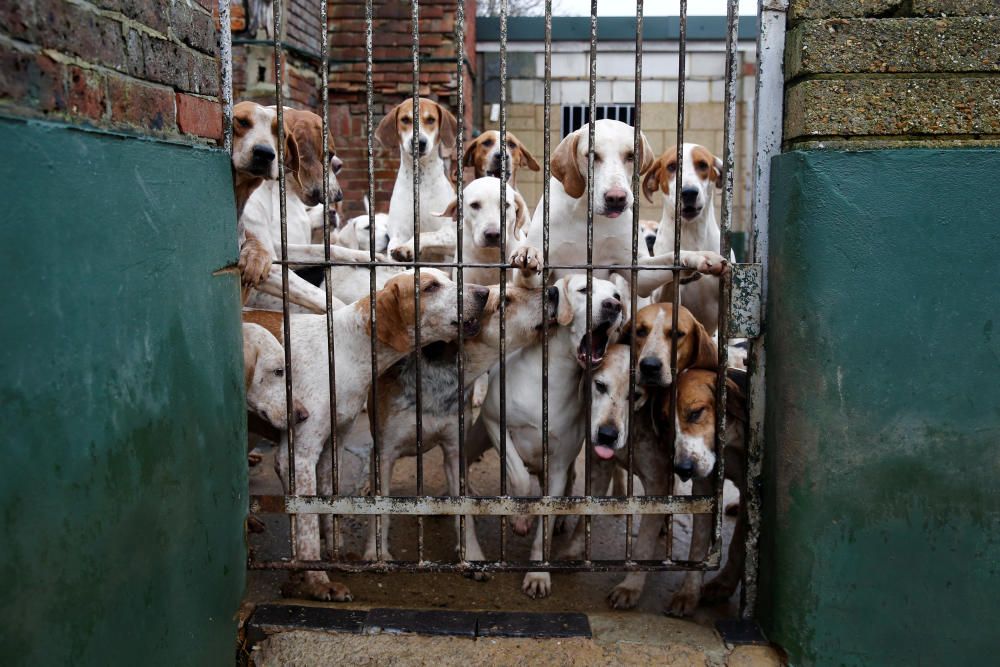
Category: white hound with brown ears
[614,162]
[264,378]
[352,327]
[700,176]
[435,140]
[569,355]
[484,155]
[255,140]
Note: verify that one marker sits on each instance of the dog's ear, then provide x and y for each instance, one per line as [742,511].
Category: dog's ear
[521,210]
[528,160]
[646,156]
[293,152]
[706,354]
[469,159]
[386,132]
[250,352]
[451,211]
[565,167]
[717,171]
[564,314]
[625,337]
[651,177]
[448,129]
[391,323]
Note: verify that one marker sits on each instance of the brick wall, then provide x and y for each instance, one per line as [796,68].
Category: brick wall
[143,65]
[887,73]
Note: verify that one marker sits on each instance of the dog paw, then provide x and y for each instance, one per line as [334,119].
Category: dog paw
[254,458]
[402,253]
[527,259]
[255,262]
[478,576]
[706,261]
[316,587]
[624,597]
[521,524]
[537,585]
[683,603]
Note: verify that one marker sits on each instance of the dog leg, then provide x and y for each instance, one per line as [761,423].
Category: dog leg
[518,477]
[626,594]
[685,600]
[389,456]
[600,474]
[539,584]
[722,587]
[473,551]
[324,475]
[701,261]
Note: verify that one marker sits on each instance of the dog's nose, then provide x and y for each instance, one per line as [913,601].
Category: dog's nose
[492,238]
[338,196]
[422,144]
[301,414]
[684,469]
[607,435]
[481,294]
[611,306]
[650,366]
[336,164]
[263,154]
[615,198]
[689,196]
[553,296]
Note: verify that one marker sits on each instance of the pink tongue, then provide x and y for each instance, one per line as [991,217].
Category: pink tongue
[614,214]
[604,452]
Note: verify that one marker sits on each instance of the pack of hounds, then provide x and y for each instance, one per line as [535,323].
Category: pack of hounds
[571,351]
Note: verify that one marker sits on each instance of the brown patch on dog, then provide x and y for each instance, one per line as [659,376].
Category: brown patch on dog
[565,167]
[708,167]
[269,319]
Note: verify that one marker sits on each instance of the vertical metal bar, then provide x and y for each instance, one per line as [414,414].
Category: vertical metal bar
[417,356]
[591,131]
[725,247]
[503,276]
[460,272]
[637,151]
[546,158]
[681,67]
[283,209]
[768,111]
[226,74]
[376,473]
[331,351]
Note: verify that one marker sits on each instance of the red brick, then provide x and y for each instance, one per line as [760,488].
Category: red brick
[144,106]
[199,116]
[87,93]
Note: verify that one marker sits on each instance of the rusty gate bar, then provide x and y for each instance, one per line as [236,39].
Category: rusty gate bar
[637,161]
[459,272]
[725,240]
[388,566]
[225,42]
[503,273]
[546,157]
[369,131]
[331,344]
[587,395]
[417,356]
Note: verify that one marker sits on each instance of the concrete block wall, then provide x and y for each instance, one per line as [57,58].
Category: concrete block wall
[144,66]
[891,73]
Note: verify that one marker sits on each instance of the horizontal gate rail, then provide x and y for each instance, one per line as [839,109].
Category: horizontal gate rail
[491,506]
[597,565]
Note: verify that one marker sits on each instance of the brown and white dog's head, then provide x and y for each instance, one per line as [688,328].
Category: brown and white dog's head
[523,317]
[264,377]
[304,155]
[648,229]
[701,174]
[484,155]
[614,162]
[608,315]
[609,411]
[437,131]
[653,331]
[694,447]
[395,309]
[255,140]
[481,212]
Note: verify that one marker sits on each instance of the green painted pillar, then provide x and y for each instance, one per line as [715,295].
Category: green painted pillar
[881,542]
[123,487]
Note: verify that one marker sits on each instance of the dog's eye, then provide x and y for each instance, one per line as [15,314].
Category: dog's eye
[431,287]
[642,332]
[695,415]
[630,157]
[243,122]
[672,167]
[678,334]
[406,121]
[429,120]
[507,300]
[510,144]
[617,297]
[279,372]
[597,157]
[582,290]
[600,387]
[702,165]
[488,143]
[475,206]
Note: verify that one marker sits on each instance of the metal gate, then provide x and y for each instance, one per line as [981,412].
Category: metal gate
[740,298]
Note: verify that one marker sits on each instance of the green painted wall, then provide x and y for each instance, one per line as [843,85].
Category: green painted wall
[123,486]
[882,517]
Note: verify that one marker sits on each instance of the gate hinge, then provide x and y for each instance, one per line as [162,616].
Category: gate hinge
[744,302]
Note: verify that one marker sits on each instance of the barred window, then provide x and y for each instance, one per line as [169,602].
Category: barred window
[575,116]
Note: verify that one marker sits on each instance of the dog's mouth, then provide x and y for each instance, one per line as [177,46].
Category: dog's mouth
[604,452]
[650,242]
[599,338]
[613,212]
[690,212]
[470,326]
